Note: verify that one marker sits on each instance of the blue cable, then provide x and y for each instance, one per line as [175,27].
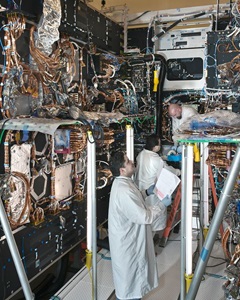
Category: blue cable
[104,257]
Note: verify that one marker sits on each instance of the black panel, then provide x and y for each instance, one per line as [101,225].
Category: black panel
[115,37]
[137,38]
[90,26]
[185,69]
[98,29]
[40,246]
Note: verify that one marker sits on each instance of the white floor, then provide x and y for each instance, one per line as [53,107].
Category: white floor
[168,261]
[80,287]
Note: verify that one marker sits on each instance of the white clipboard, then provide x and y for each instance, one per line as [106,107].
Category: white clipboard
[166,184]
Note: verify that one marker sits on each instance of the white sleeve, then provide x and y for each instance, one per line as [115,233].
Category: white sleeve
[172,169]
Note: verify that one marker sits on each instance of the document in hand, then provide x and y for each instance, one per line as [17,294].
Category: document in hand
[166,184]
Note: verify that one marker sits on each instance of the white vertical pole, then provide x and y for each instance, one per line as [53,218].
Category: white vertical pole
[130,142]
[205,187]
[188,201]
[204,205]
[183,224]
[92,208]
[90,144]
[226,194]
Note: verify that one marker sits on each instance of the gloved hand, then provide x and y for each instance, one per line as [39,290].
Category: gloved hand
[149,191]
[178,172]
[167,200]
[175,141]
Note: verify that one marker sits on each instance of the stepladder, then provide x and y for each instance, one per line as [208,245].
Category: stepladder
[174,217]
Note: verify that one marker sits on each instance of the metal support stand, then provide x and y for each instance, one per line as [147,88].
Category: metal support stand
[204,205]
[186,219]
[130,142]
[92,209]
[188,213]
[15,253]
[214,227]
[183,228]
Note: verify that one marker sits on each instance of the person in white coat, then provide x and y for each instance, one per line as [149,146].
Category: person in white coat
[179,114]
[130,234]
[149,167]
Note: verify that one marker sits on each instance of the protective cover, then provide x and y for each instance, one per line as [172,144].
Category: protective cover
[18,205]
[20,158]
[63,181]
[49,23]
[216,122]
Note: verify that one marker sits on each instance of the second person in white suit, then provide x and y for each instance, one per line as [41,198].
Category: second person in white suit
[149,167]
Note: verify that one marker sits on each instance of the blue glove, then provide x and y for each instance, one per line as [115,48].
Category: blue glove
[167,201]
[149,191]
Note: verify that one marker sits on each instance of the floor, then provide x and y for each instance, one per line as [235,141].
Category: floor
[168,261]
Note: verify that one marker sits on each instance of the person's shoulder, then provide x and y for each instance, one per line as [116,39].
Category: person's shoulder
[122,180]
[188,107]
[123,186]
[142,152]
[191,109]
[148,152]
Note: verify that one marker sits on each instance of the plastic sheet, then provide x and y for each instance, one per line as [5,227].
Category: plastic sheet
[49,23]
[218,121]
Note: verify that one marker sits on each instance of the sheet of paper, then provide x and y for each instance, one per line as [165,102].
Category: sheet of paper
[166,184]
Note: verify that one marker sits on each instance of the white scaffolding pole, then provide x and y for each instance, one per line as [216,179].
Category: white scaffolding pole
[130,142]
[92,210]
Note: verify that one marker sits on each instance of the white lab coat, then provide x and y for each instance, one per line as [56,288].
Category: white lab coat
[187,112]
[149,167]
[131,240]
